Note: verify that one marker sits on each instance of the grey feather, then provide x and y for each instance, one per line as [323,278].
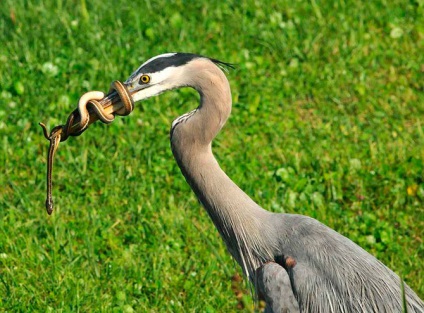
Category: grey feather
[273,284]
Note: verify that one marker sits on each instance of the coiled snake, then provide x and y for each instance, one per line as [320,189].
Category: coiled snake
[92,106]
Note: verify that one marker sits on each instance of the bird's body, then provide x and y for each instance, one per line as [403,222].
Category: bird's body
[326,271]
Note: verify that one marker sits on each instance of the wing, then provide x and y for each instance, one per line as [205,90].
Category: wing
[273,284]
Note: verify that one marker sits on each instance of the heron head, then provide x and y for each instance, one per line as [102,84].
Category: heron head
[158,74]
[164,72]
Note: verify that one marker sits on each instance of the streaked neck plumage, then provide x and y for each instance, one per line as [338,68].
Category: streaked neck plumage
[239,220]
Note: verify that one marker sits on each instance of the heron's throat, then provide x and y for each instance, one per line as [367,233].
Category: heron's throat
[240,221]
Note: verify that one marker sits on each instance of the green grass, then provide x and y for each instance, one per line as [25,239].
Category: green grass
[328,121]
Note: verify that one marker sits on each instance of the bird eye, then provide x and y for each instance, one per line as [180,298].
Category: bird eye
[144,79]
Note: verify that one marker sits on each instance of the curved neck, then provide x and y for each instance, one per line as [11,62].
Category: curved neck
[239,220]
[215,102]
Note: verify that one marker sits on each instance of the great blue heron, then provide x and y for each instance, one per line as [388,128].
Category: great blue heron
[296,263]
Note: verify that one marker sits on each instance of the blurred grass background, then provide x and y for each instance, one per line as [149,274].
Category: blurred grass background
[327,121]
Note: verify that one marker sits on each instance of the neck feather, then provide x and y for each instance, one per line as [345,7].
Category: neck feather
[239,220]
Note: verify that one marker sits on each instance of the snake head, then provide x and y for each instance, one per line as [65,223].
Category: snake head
[49,206]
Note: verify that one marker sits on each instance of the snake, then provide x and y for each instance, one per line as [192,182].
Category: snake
[75,127]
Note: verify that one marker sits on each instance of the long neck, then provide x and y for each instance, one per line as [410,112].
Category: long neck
[239,220]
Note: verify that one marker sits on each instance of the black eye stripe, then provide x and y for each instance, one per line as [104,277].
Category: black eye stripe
[171,60]
[162,63]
